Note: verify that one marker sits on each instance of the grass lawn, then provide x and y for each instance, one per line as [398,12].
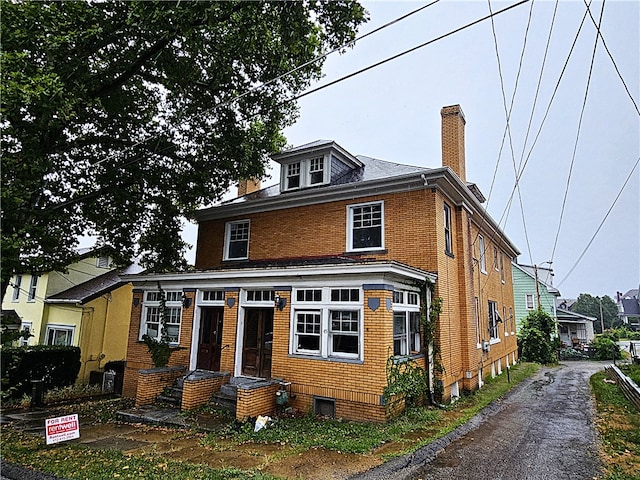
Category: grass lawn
[295,436]
[618,423]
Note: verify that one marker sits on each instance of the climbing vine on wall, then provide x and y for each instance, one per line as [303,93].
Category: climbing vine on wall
[160,350]
[406,379]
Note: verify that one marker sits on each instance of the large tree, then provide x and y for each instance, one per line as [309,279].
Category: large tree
[120,117]
[590,306]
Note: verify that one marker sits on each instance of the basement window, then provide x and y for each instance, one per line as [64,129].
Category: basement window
[325,407]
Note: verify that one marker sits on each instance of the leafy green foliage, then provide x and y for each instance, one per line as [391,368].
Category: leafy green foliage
[160,350]
[405,380]
[606,348]
[58,365]
[9,336]
[590,306]
[119,118]
[536,338]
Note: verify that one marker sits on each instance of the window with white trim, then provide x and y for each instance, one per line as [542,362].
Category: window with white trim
[26,327]
[513,320]
[59,335]
[293,176]
[366,226]
[33,287]
[344,338]
[15,297]
[494,317]
[528,300]
[406,323]
[483,259]
[307,332]
[213,296]
[327,322]
[501,267]
[306,172]
[152,315]
[448,243]
[495,259]
[260,295]
[504,320]
[237,240]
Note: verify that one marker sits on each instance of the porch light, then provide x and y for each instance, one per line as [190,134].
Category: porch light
[186,301]
[279,302]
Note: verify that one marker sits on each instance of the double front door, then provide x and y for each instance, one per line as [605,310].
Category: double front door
[257,342]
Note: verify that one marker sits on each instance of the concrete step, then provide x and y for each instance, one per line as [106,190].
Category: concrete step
[224,402]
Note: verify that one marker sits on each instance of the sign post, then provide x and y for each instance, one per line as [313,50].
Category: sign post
[60,429]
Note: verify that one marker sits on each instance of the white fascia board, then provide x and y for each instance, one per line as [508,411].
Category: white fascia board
[315,196]
[389,271]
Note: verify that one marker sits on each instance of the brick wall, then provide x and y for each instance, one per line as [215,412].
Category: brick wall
[152,382]
[256,401]
[198,391]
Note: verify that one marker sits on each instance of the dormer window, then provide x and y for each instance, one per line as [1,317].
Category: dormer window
[293,176]
[307,172]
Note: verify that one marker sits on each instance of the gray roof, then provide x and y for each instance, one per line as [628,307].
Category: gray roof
[568,316]
[372,169]
[94,288]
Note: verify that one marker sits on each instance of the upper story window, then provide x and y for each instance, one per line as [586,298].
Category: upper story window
[495,258]
[494,317]
[16,288]
[306,172]
[528,299]
[236,245]
[501,267]
[483,256]
[448,243]
[33,287]
[366,226]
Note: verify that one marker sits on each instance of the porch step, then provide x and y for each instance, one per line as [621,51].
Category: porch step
[171,395]
[224,402]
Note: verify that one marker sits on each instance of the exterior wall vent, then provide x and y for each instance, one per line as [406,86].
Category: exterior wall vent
[324,406]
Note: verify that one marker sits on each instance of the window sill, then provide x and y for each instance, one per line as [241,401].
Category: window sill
[367,251]
[397,359]
[493,341]
[354,361]
[449,254]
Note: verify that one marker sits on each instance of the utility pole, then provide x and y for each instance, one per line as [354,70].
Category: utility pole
[535,268]
[601,316]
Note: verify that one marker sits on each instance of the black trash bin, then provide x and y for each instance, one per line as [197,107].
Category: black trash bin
[37,393]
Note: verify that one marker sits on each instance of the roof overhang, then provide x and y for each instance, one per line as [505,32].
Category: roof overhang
[271,277]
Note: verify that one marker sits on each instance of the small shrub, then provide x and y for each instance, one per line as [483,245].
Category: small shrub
[606,348]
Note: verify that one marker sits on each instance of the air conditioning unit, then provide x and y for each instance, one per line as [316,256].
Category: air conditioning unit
[485,346]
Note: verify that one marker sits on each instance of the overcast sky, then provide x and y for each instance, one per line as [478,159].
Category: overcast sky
[392,112]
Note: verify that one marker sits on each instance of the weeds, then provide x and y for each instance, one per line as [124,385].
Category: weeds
[618,423]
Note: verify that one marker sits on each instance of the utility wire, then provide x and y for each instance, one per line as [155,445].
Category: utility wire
[575,145]
[314,90]
[322,56]
[604,44]
[601,223]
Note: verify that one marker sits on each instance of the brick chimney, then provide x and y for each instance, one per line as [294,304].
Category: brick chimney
[453,140]
[246,187]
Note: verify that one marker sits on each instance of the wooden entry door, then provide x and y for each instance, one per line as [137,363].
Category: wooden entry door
[210,338]
[257,342]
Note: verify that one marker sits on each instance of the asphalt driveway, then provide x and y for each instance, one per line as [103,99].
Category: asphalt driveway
[543,429]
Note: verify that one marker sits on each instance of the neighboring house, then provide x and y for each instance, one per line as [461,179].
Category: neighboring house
[89,306]
[629,309]
[314,284]
[527,296]
[575,330]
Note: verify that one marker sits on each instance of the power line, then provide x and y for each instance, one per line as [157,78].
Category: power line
[575,145]
[601,223]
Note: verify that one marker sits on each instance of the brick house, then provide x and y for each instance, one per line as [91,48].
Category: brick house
[311,285]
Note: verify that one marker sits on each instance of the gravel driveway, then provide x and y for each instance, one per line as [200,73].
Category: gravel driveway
[543,429]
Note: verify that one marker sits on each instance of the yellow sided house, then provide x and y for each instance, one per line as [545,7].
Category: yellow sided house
[88,306]
[306,293]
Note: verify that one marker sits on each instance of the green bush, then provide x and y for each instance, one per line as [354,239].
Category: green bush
[57,365]
[606,348]
[536,342]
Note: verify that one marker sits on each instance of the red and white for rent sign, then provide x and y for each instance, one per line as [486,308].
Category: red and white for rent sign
[60,429]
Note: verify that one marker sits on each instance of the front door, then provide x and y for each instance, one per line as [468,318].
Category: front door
[210,339]
[257,342]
